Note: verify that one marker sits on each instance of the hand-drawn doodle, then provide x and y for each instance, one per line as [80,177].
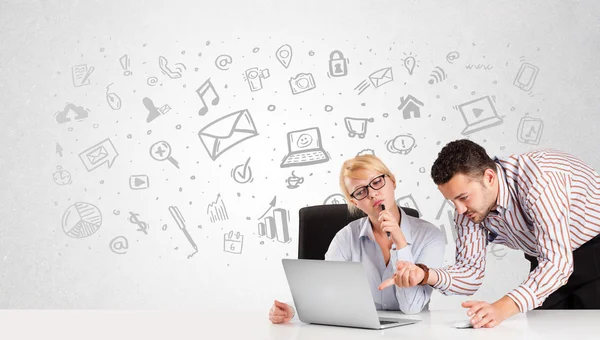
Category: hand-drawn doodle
[216,211]
[153,111]
[479,114]
[242,173]
[302,82]
[437,75]
[377,78]
[125,62]
[202,91]
[61,177]
[227,132]
[357,126]
[526,76]
[178,217]
[452,56]
[253,76]
[276,226]
[173,73]
[223,61]
[408,202]
[530,130]
[113,100]
[65,116]
[338,65]
[335,199]
[142,226]
[271,206]
[98,154]
[59,149]
[161,151]
[139,182]
[233,243]
[410,107]
[81,74]
[401,144]
[294,181]
[284,55]
[119,245]
[366,152]
[410,62]
[304,148]
[81,220]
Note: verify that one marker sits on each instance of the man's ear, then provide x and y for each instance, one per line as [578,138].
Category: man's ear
[489,176]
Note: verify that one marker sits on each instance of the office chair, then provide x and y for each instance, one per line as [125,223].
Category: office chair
[319,224]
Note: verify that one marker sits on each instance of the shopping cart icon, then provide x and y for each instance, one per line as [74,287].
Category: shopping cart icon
[357,126]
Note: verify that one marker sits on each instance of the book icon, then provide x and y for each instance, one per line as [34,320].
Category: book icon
[276,226]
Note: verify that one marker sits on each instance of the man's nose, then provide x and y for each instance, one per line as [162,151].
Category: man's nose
[460,208]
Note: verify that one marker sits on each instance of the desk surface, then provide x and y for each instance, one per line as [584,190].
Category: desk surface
[245,325]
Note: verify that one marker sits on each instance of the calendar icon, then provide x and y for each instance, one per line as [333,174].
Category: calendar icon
[232,243]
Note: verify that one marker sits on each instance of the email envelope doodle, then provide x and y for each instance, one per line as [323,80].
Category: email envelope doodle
[227,132]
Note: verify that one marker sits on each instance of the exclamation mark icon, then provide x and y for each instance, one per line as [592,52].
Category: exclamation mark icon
[124,60]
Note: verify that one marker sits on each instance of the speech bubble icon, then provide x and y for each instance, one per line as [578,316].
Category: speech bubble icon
[95,156]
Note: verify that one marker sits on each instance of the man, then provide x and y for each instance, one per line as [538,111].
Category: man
[546,203]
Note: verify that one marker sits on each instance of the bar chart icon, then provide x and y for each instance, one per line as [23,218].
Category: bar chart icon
[276,226]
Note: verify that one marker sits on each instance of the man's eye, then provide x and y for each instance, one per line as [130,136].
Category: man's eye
[464,198]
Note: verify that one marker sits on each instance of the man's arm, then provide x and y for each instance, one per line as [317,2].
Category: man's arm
[548,204]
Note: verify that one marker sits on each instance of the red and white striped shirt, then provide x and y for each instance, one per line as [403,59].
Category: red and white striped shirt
[548,206]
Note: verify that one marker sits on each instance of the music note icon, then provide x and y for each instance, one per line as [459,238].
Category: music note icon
[530,130]
[202,90]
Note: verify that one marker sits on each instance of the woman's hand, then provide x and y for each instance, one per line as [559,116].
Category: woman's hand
[281,312]
[388,223]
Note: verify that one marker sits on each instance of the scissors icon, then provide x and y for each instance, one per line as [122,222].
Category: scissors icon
[161,151]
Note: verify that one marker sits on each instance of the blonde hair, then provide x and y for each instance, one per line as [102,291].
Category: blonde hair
[353,165]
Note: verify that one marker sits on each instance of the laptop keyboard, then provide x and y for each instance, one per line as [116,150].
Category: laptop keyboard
[305,157]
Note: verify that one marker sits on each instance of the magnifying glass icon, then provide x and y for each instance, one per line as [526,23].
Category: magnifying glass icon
[161,151]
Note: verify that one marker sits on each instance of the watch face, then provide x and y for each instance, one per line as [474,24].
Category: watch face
[62,177]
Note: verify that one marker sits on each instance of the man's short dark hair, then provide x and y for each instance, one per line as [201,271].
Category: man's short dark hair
[460,156]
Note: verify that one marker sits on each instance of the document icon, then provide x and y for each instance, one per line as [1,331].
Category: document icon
[81,75]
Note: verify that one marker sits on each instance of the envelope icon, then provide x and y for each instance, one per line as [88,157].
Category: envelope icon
[381,77]
[97,155]
[227,132]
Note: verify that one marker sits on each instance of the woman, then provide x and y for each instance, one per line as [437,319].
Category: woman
[368,185]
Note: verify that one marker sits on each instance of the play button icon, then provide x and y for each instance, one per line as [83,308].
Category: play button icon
[477,112]
[138,182]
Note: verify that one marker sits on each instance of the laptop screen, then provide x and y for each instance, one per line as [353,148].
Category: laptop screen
[303,140]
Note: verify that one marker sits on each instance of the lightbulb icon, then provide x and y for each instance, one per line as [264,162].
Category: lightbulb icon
[410,63]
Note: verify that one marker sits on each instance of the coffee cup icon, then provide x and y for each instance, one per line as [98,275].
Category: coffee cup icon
[294,181]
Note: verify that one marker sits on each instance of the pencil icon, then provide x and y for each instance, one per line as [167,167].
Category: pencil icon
[176,214]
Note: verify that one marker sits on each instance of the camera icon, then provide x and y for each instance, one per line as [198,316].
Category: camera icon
[302,82]
[253,76]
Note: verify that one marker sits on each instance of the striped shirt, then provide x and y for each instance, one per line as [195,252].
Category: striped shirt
[548,205]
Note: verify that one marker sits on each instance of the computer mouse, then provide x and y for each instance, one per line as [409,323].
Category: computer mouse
[462,324]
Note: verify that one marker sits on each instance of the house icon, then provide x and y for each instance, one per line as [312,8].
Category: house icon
[410,107]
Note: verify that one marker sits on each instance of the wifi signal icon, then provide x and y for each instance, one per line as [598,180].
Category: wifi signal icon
[437,75]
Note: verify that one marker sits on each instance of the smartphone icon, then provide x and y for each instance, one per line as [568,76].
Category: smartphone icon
[526,76]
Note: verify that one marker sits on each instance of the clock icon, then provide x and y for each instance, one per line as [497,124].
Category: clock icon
[61,177]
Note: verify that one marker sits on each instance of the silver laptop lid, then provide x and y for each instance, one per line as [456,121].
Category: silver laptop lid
[331,293]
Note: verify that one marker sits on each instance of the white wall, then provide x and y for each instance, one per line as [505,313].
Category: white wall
[43,267]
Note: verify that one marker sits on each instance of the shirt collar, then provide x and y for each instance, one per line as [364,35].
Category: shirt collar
[366,229]
[503,200]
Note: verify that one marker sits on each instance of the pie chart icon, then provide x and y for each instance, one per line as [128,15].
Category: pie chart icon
[81,220]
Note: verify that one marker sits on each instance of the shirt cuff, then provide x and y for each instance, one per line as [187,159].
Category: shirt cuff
[524,297]
[405,254]
[444,279]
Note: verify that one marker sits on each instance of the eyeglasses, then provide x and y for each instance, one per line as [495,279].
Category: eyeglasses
[375,184]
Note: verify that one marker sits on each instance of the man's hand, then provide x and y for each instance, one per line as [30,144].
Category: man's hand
[487,315]
[281,312]
[407,275]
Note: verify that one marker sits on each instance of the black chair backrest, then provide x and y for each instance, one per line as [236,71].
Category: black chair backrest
[319,224]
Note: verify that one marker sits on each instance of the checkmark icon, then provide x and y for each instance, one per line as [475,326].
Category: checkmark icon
[242,173]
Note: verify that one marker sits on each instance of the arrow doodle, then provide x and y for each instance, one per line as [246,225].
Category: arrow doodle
[272,204]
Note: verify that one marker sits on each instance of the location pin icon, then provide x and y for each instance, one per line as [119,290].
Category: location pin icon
[284,55]
[409,64]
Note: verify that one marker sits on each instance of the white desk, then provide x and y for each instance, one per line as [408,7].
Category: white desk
[246,325]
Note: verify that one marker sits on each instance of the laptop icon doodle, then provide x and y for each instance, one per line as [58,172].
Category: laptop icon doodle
[304,148]
[479,114]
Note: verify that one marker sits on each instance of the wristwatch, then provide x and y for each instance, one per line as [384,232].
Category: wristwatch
[426,270]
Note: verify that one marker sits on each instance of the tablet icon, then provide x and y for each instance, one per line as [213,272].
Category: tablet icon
[530,130]
[526,76]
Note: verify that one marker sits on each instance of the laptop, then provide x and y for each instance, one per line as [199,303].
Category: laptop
[479,114]
[304,148]
[334,293]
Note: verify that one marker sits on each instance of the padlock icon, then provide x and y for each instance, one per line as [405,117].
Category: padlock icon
[337,64]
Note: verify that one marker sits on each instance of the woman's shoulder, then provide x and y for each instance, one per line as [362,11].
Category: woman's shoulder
[353,228]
